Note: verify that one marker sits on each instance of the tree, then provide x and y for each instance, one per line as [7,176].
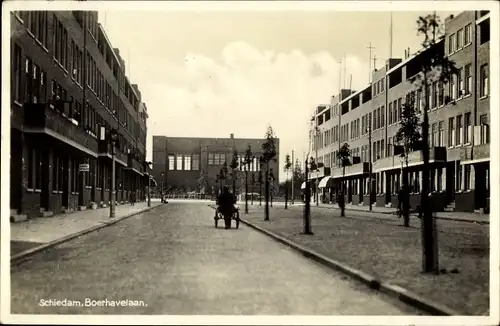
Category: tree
[287,167]
[434,67]
[253,184]
[298,177]
[247,161]
[344,157]
[409,136]
[234,169]
[268,155]
[260,181]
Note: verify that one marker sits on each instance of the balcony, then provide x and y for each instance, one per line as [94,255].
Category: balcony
[105,151]
[436,154]
[475,153]
[133,164]
[351,170]
[40,118]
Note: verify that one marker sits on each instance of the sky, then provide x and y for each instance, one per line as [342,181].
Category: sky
[213,73]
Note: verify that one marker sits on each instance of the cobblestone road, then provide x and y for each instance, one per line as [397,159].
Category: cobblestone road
[172,260]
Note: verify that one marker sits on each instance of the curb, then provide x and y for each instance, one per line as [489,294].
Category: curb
[400,293]
[24,255]
[458,219]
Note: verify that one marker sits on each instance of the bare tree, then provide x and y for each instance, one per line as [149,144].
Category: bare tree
[434,67]
[268,155]
[409,136]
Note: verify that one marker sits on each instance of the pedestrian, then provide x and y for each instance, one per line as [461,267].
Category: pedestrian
[400,203]
[341,203]
[132,198]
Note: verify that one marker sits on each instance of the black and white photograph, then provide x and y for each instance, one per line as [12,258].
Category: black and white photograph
[250,162]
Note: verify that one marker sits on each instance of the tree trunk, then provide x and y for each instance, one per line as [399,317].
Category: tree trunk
[246,192]
[286,191]
[267,193]
[342,209]
[406,192]
[307,207]
[430,262]
[260,193]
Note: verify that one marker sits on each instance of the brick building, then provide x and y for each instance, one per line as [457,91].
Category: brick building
[56,124]
[192,164]
[458,127]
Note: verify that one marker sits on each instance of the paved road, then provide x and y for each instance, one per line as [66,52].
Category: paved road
[175,261]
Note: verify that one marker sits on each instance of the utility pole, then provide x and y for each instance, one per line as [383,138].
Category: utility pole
[370,48]
[374,61]
[370,166]
[293,175]
[390,39]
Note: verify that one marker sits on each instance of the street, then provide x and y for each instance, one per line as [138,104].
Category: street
[171,260]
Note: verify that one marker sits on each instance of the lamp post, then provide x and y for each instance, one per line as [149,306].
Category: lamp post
[162,185]
[149,166]
[307,206]
[113,139]
[369,130]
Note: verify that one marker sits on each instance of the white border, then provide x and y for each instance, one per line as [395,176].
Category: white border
[254,6]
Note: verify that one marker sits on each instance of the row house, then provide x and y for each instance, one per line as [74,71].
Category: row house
[459,134]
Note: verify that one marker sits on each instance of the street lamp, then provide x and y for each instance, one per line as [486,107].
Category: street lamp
[369,131]
[162,185]
[149,166]
[113,137]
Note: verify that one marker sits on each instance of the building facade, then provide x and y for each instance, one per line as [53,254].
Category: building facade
[194,164]
[68,92]
[459,136]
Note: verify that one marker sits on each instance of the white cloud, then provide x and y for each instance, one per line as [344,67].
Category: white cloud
[243,93]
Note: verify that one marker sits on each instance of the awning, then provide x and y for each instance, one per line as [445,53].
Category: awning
[324,181]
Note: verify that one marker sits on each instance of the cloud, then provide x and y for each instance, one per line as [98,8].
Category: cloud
[243,92]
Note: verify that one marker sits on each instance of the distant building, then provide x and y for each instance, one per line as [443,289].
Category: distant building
[459,132]
[193,164]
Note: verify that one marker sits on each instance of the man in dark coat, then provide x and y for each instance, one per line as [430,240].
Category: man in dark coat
[225,203]
[341,203]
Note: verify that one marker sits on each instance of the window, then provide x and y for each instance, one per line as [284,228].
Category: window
[483,73]
[389,147]
[17,74]
[467,177]
[460,39]
[485,129]
[441,93]
[451,132]
[453,87]
[429,97]
[187,163]
[31,167]
[458,185]
[420,106]
[459,129]
[390,113]
[171,162]
[196,162]
[382,81]
[441,133]
[382,149]
[451,44]
[55,175]
[399,109]
[468,128]
[468,35]
[178,165]
[434,134]
[375,125]
[434,95]
[484,31]
[461,87]
[468,79]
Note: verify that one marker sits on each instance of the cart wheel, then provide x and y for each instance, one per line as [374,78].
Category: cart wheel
[237,222]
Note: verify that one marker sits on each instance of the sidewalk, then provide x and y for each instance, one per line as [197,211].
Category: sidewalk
[392,254]
[454,216]
[44,230]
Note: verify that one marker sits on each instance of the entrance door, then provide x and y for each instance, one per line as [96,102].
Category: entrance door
[16,168]
[480,192]
[450,182]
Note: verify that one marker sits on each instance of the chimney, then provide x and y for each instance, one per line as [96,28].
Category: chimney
[409,53]
[406,56]
[232,136]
